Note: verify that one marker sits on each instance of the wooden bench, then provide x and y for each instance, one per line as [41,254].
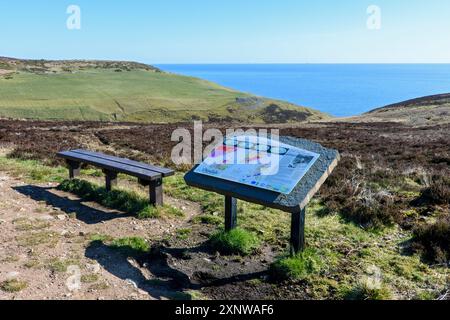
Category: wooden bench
[148,175]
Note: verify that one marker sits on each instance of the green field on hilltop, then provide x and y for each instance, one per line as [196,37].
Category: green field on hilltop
[134,95]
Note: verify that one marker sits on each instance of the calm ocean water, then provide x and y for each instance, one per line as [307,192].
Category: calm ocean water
[341,90]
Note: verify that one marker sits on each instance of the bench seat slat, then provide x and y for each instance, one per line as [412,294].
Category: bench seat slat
[141,173]
[164,171]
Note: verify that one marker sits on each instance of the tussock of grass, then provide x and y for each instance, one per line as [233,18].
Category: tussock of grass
[297,267]
[433,240]
[236,241]
[366,291]
[61,265]
[134,245]
[126,201]
[208,219]
[100,238]
[438,191]
[13,285]
[183,234]
[90,278]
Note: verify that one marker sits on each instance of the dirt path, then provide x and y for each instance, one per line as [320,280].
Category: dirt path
[45,244]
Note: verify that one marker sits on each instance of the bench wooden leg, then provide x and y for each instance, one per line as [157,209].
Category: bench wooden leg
[74,168]
[110,179]
[230,213]
[156,192]
[298,231]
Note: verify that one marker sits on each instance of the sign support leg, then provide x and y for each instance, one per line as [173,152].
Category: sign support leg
[298,231]
[230,213]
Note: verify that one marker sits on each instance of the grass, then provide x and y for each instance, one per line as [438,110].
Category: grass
[90,278]
[100,238]
[367,291]
[208,219]
[25,224]
[13,285]
[33,239]
[297,267]
[136,95]
[270,225]
[126,201]
[236,241]
[61,265]
[32,170]
[183,234]
[135,245]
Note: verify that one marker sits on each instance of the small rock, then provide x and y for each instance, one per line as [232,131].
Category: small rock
[64,232]
[12,275]
[45,217]
[61,217]
[215,213]
[183,208]
[207,260]
[94,267]
[131,282]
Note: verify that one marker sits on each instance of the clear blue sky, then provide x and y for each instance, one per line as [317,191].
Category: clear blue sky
[228,31]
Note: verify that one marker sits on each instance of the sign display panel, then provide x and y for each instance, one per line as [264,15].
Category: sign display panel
[258,162]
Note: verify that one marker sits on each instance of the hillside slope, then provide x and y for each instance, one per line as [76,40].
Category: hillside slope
[421,111]
[128,91]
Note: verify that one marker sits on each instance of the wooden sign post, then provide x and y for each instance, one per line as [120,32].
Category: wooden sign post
[294,202]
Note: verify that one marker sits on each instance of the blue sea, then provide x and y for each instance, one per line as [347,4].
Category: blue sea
[338,89]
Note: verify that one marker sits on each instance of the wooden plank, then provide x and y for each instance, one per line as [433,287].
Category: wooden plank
[164,171]
[111,165]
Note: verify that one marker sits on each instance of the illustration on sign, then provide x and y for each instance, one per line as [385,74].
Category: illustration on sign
[258,162]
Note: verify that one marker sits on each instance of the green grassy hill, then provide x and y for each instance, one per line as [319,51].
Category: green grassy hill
[128,91]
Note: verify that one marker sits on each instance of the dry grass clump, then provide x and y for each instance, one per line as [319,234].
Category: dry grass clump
[358,197]
[433,240]
[438,191]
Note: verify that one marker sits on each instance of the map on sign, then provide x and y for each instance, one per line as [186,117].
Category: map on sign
[258,162]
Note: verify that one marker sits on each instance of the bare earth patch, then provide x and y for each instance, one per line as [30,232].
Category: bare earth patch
[46,239]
